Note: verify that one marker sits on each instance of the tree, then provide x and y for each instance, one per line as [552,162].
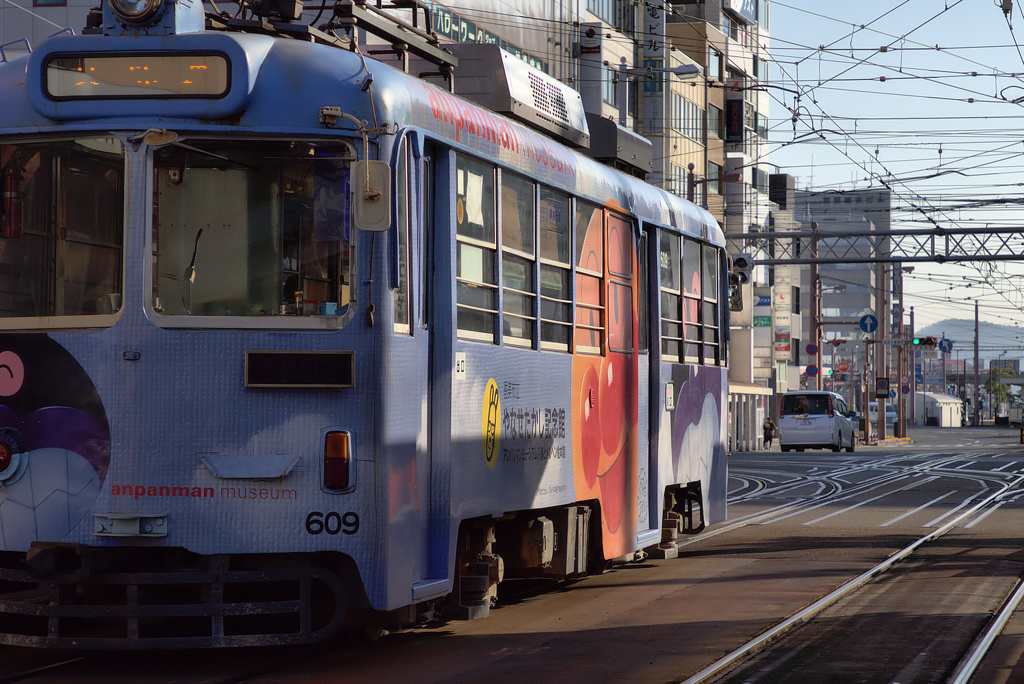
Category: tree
[999,392]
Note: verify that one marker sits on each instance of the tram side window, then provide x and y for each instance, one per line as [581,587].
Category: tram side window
[671,298]
[691,281]
[476,282]
[247,228]
[619,310]
[555,271]
[709,314]
[61,253]
[518,255]
[701,313]
[590,308]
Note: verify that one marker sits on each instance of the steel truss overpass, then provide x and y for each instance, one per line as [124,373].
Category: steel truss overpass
[939,245]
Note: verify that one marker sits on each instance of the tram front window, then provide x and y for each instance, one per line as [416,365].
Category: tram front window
[252,228]
[62,230]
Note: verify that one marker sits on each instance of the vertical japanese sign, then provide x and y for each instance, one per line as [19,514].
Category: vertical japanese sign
[655,52]
[654,30]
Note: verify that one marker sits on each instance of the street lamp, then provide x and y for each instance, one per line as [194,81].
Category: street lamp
[835,342]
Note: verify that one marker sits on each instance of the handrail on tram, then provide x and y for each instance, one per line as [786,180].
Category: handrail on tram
[3,51]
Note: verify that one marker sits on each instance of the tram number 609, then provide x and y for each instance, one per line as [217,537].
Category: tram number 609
[332,522]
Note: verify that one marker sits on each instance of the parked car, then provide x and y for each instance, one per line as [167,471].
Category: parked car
[816,420]
[890,416]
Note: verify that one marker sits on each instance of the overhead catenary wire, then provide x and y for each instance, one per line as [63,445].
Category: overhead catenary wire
[918,177]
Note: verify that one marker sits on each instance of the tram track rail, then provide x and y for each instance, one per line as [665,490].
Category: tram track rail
[980,648]
[830,487]
[968,663]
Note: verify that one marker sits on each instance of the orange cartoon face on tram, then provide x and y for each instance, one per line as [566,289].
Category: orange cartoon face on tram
[605,366]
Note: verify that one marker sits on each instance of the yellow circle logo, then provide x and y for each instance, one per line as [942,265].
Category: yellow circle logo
[491,423]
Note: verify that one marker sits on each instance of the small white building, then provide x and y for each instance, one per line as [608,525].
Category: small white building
[942,410]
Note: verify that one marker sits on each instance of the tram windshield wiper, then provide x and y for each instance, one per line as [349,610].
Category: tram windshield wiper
[207,153]
[190,272]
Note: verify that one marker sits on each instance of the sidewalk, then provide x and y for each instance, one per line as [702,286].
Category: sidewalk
[887,442]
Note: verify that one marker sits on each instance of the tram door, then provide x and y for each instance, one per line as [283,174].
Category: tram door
[407,427]
[435,481]
[649,504]
[620,378]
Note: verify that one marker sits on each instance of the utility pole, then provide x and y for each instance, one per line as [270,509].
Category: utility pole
[816,303]
[881,366]
[913,373]
[945,383]
[900,363]
[977,373]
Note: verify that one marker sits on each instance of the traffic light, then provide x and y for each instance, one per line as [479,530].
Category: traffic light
[925,342]
[742,266]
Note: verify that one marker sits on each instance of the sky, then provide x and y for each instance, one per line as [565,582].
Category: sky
[925,97]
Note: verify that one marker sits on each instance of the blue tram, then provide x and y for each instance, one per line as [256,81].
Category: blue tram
[290,339]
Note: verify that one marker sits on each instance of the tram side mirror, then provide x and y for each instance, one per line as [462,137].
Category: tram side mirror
[371,195]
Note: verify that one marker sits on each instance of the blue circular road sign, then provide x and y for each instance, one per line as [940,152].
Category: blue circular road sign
[868,323]
[812,371]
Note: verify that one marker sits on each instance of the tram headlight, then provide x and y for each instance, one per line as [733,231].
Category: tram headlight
[135,11]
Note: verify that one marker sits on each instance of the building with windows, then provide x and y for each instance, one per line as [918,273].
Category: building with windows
[850,290]
[730,41]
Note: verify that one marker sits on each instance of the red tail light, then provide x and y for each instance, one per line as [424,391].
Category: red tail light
[831,408]
[337,460]
[6,456]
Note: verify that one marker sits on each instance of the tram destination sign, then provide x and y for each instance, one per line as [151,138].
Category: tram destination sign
[71,76]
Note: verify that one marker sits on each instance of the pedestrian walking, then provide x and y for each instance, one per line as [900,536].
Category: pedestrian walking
[769,432]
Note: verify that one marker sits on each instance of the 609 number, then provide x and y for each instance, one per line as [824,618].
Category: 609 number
[332,522]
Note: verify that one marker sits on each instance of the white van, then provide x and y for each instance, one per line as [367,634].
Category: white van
[816,420]
[890,417]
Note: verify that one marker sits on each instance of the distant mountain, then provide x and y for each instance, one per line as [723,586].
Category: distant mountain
[994,340]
